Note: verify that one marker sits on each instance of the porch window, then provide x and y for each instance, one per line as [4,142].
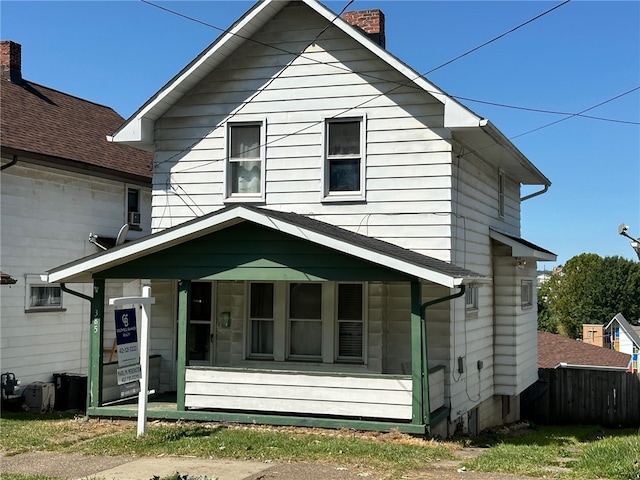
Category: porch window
[245,169]
[305,321]
[261,320]
[344,159]
[350,321]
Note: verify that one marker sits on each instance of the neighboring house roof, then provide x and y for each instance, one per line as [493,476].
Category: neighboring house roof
[521,247]
[556,350]
[626,326]
[300,226]
[6,279]
[55,128]
[471,128]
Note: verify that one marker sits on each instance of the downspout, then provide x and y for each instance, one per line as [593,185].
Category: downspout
[64,288]
[425,361]
[535,194]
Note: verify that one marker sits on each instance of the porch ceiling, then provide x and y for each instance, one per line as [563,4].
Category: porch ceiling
[249,243]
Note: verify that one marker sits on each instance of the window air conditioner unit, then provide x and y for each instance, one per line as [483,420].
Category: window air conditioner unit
[134,218]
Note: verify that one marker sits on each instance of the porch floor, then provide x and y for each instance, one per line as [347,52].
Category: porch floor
[165,407]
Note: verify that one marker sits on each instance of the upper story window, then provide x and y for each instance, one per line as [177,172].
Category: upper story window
[526,293]
[245,168]
[41,296]
[133,207]
[471,298]
[344,162]
[501,193]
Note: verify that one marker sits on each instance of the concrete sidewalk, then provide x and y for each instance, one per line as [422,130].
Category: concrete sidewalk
[127,468]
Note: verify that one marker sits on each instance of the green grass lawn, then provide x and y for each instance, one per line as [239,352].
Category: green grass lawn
[551,452]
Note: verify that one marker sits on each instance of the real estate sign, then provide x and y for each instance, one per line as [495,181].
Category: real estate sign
[128,353]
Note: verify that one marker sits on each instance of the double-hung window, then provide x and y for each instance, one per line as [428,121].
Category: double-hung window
[245,168]
[344,162]
[261,320]
[305,321]
[350,317]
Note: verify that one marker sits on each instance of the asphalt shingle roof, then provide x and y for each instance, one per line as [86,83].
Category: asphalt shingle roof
[554,349]
[45,122]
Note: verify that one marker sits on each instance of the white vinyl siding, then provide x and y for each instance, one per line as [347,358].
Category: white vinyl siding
[47,215]
[408,175]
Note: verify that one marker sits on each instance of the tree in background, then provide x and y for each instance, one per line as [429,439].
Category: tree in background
[590,289]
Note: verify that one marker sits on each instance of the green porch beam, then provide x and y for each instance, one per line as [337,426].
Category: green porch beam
[184,304]
[94,380]
[418,370]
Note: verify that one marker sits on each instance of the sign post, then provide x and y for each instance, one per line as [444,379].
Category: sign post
[146,300]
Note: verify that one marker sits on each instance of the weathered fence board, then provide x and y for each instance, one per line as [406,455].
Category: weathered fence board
[583,396]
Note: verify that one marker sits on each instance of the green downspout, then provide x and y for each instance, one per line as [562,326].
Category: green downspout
[94,374]
[424,358]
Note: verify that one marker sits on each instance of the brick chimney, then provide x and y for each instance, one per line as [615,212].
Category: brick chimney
[369,21]
[11,61]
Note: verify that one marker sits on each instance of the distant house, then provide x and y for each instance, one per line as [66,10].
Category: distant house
[557,351]
[623,337]
[61,182]
[336,240]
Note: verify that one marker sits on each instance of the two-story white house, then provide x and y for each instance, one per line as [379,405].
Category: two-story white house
[61,181]
[336,240]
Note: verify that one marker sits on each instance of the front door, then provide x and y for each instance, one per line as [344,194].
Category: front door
[201,339]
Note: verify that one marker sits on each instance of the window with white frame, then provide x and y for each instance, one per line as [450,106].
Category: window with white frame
[297,318]
[344,158]
[40,295]
[350,318]
[526,293]
[501,192]
[471,297]
[305,321]
[261,320]
[133,207]
[245,168]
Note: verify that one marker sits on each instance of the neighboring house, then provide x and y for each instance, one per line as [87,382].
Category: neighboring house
[61,180]
[557,351]
[336,241]
[618,335]
[623,337]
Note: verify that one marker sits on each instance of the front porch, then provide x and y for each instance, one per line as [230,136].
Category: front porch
[311,325]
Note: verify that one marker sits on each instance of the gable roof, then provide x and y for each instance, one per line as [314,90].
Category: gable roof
[299,226]
[55,128]
[468,126]
[630,331]
[556,350]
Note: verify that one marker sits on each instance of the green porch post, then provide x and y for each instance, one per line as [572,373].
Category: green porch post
[417,365]
[94,380]
[184,302]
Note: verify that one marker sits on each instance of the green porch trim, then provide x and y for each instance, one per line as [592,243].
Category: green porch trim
[417,367]
[264,419]
[247,251]
[184,304]
[94,380]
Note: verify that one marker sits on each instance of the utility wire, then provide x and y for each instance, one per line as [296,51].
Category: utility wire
[496,38]
[577,114]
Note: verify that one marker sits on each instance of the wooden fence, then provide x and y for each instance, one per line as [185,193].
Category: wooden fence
[582,396]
